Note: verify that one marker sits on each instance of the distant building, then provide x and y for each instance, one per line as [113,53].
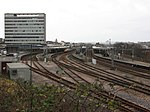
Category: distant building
[56,41]
[49,42]
[2,45]
[1,40]
[65,43]
[24,29]
[145,45]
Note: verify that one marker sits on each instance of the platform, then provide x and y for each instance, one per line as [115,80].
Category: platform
[128,61]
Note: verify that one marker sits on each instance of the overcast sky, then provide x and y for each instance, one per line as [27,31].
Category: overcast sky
[87,20]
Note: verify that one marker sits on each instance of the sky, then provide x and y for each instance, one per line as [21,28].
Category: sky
[87,20]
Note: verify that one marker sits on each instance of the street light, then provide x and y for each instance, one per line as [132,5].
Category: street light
[31,78]
[112,59]
[31,64]
[132,54]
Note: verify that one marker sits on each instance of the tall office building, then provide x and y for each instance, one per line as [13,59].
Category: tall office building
[25,28]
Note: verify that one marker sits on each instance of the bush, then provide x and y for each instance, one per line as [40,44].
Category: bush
[22,97]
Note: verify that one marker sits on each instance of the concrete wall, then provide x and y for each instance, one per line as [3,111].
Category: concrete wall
[22,73]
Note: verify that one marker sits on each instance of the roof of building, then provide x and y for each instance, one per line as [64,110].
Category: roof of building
[7,59]
[17,65]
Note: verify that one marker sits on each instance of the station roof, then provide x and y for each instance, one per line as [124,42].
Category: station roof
[103,48]
[55,47]
[17,65]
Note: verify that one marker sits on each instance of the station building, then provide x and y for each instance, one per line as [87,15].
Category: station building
[24,29]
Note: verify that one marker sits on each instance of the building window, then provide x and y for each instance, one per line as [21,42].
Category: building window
[14,72]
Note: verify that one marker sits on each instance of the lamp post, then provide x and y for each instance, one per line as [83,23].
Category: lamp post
[31,64]
[112,55]
[132,54]
[112,59]
[31,97]
[45,54]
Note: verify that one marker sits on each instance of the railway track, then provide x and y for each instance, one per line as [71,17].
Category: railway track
[107,76]
[130,104]
[140,87]
[46,73]
[87,72]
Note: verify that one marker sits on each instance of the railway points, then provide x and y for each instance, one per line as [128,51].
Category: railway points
[62,70]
